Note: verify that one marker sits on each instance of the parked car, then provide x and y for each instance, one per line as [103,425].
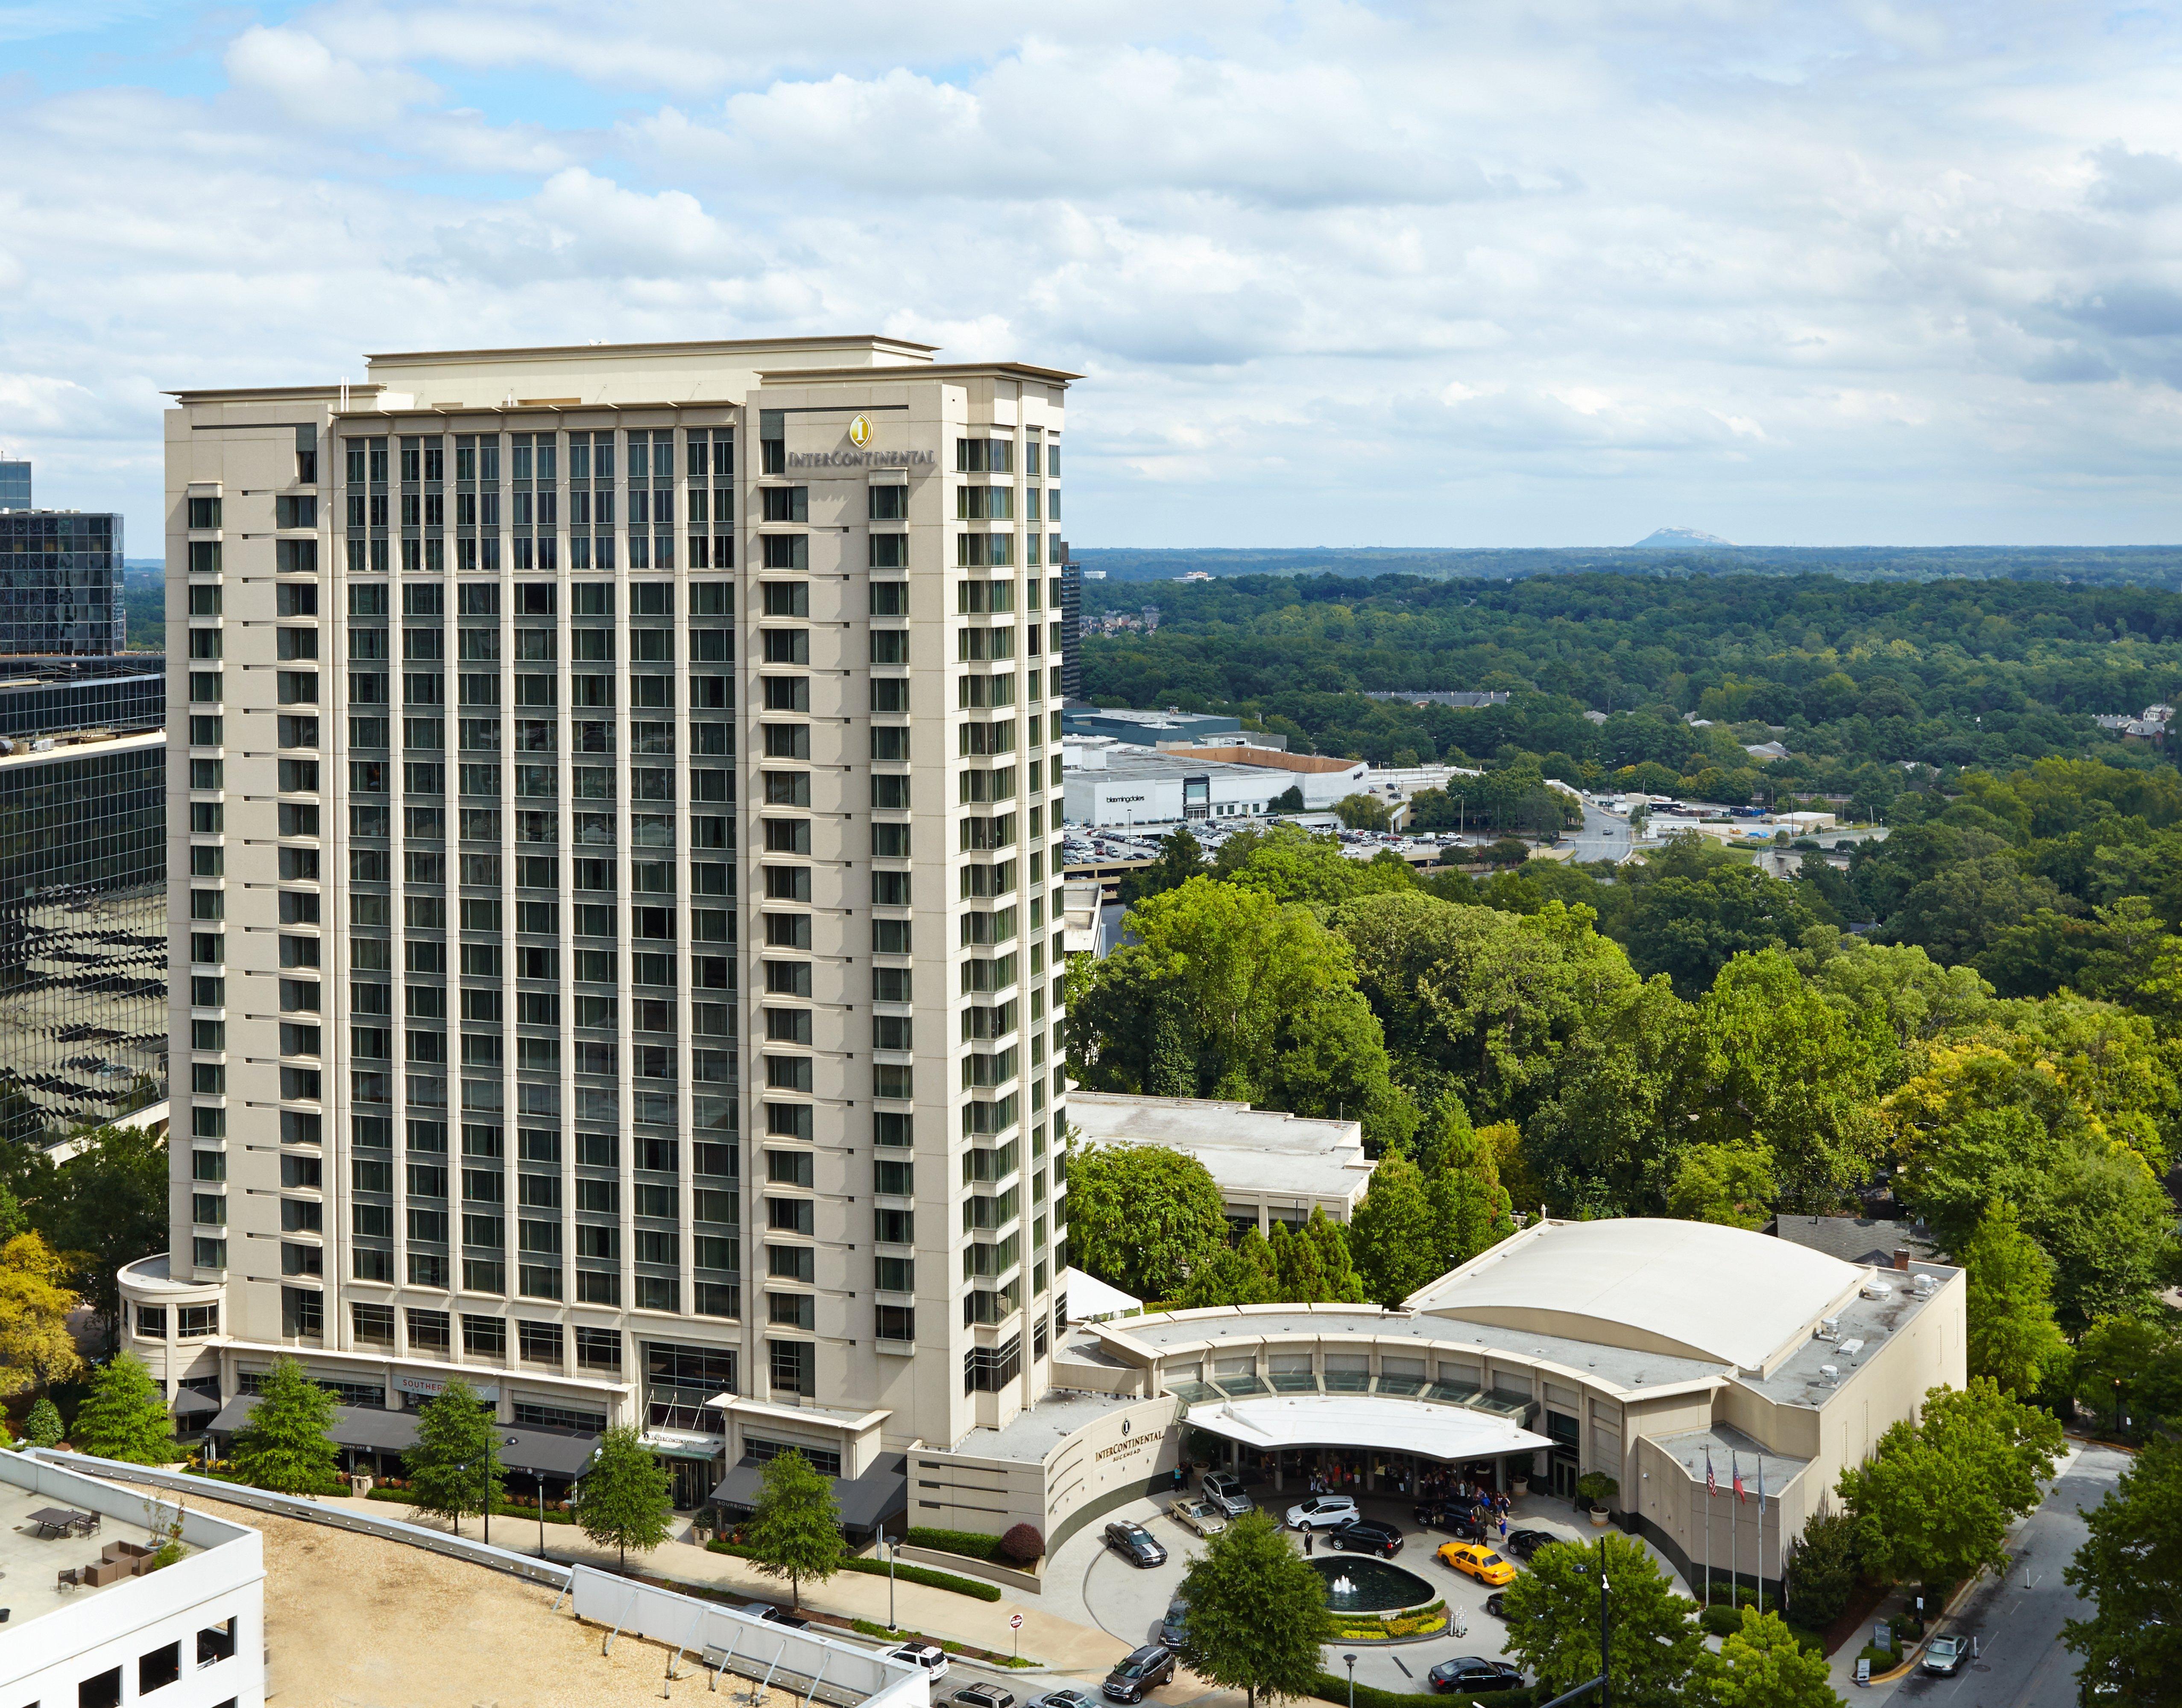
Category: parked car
[1496,1604]
[1174,1628]
[1522,1544]
[1365,1536]
[781,1616]
[982,1696]
[928,1656]
[1322,1513]
[1226,1491]
[1195,1513]
[1474,1672]
[1945,1655]
[1135,1543]
[1067,1696]
[1144,1670]
[1476,1560]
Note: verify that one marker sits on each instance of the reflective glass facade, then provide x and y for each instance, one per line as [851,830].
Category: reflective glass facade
[60,582]
[14,485]
[83,934]
[64,697]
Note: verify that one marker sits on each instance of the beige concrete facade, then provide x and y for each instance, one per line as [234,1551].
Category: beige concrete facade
[619,785]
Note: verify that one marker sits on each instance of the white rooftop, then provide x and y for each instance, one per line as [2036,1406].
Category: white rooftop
[1091,1300]
[1246,1151]
[1388,1424]
[1689,1288]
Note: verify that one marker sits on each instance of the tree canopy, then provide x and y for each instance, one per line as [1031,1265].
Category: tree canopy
[454,1467]
[125,1416]
[2128,1572]
[627,1496]
[794,1531]
[288,1445]
[1257,1613]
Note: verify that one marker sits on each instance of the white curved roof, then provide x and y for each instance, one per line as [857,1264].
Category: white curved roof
[1744,1299]
[1389,1425]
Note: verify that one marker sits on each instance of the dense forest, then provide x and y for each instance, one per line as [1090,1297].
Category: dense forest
[1865,683]
[2140,565]
[1975,1022]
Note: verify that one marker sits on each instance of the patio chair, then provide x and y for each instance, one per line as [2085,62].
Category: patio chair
[70,1577]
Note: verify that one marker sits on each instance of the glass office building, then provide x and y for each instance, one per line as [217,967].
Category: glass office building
[14,485]
[83,924]
[60,582]
[46,696]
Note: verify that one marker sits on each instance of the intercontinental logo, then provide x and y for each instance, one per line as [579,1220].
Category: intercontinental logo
[860,454]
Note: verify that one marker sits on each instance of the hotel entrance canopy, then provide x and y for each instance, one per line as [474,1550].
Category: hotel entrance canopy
[1381,1422]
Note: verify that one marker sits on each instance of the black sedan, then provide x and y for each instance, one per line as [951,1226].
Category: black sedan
[1474,1672]
[1522,1544]
[1365,1536]
[1135,1543]
[1496,1604]
[1146,1669]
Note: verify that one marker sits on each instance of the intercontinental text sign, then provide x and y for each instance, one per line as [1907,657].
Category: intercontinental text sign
[863,459]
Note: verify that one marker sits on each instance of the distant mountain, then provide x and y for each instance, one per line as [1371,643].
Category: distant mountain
[1682,539]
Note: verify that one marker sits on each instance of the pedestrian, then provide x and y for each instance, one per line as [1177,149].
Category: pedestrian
[1307,1535]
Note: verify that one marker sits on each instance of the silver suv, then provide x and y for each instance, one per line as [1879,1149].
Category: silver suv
[1227,1493]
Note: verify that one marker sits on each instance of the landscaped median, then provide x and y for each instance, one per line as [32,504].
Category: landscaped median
[878,1569]
[1408,1626]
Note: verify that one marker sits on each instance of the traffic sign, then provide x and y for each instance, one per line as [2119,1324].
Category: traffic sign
[1015,1622]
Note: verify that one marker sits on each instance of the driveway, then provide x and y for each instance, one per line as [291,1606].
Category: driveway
[1086,1581]
[2016,1619]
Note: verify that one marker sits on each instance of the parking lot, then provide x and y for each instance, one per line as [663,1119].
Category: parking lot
[1088,1581]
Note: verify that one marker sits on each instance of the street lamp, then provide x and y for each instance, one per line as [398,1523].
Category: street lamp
[888,1548]
[1351,1660]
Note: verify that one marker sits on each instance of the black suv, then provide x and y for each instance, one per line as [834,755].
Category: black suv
[1146,1669]
[1365,1536]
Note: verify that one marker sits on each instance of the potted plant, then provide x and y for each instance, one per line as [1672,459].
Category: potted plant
[1519,1485]
[1596,1493]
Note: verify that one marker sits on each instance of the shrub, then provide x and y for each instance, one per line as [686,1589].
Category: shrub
[908,1574]
[1597,1488]
[1022,1545]
[974,1545]
[1824,1568]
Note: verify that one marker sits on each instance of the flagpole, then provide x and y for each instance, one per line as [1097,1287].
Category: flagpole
[1708,1527]
[1733,1524]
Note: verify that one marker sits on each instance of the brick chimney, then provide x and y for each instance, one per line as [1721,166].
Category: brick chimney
[1902,1256]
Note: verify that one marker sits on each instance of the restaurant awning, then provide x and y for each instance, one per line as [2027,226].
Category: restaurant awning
[879,1493]
[190,1403]
[368,1428]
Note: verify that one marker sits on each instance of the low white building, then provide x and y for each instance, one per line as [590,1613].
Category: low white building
[191,1635]
[1270,1166]
[1104,782]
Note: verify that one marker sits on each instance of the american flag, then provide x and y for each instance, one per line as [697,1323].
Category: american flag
[1711,1483]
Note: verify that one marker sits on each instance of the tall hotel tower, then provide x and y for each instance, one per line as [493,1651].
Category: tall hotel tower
[615,902]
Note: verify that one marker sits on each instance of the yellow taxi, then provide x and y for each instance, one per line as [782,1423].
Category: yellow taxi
[1475,1560]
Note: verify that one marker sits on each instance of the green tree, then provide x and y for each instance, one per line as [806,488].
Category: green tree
[1552,1620]
[42,1427]
[1343,1284]
[1702,909]
[2131,1361]
[106,1206]
[124,1417]
[1299,1278]
[1362,812]
[1181,858]
[1141,1216]
[36,1348]
[1394,1234]
[626,1499]
[1763,1666]
[1257,1613]
[2013,1336]
[1934,1502]
[1235,1274]
[795,1531]
[1823,1570]
[287,1445]
[1729,1184]
[455,1467]
[2129,1572]
[1469,1208]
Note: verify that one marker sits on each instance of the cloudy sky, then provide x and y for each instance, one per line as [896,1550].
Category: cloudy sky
[1553,272]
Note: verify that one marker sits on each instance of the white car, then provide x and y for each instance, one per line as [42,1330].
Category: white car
[1322,1513]
[931,1657]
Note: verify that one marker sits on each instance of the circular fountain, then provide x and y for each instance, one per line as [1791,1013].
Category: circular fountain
[1371,1586]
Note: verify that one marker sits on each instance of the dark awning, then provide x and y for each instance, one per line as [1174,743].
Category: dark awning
[368,1428]
[879,1493]
[190,1403]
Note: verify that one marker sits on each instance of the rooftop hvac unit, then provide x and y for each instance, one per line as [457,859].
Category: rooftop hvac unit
[1831,1373]
[1849,1349]
[1829,1329]
[1926,1286]
[1875,1288]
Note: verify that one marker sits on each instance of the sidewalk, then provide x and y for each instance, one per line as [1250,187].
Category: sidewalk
[1051,1641]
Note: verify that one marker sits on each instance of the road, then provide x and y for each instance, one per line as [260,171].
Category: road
[2017,1620]
[1603,836]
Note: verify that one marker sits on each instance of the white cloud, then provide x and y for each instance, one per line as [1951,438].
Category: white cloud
[1332,269]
